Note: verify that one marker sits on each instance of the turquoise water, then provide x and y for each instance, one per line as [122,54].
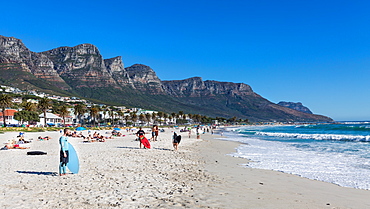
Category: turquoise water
[335,153]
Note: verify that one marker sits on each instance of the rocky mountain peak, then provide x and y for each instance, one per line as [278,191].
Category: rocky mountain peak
[295,106]
[145,79]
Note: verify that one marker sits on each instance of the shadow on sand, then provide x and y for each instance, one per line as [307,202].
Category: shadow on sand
[128,147]
[39,173]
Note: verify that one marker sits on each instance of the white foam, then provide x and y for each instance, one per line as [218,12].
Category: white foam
[338,137]
[335,167]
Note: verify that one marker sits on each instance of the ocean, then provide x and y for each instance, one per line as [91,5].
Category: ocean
[335,153]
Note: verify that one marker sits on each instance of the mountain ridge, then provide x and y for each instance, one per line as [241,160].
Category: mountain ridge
[82,71]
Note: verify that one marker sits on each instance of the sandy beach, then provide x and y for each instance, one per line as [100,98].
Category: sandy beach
[116,173]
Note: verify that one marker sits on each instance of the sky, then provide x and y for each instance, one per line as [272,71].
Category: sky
[314,52]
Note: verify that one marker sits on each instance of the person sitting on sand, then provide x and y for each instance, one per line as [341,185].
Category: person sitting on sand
[176,140]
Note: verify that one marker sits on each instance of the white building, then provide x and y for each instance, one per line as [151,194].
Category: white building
[51,119]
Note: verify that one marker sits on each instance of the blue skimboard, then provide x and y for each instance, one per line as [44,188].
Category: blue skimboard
[73,164]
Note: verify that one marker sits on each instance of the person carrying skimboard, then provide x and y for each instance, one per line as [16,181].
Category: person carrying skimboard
[142,139]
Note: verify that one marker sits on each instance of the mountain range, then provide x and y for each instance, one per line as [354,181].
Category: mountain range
[82,71]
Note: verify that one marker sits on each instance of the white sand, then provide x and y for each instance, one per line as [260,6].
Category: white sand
[116,173]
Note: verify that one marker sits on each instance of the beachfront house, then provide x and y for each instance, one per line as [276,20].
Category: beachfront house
[9,117]
[51,120]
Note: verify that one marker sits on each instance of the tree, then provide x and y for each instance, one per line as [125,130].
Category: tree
[160,116]
[94,110]
[44,105]
[121,114]
[133,117]
[154,116]
[28,116]
[64,112]
[5,101]
[126,118]
[181,114]
[165,116]
[142,117]
[79,110]
[29,106]
[174,116]
[148,117]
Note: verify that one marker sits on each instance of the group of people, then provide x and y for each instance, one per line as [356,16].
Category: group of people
[64,145]
[15,144]
[155,130]
[96,137]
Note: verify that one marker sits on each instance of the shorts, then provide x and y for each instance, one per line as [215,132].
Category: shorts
[64,159]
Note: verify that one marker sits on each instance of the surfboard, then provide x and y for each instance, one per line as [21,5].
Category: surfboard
[145,142]
[73,163]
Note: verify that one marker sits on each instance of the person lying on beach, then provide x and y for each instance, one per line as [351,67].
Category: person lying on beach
[11,146]
[44,138]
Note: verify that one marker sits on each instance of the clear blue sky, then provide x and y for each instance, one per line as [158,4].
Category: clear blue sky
[314,52]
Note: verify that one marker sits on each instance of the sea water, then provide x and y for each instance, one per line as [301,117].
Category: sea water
[335,153]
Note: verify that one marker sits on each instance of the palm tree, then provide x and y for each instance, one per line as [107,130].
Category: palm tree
[111,114]
[148,117]
[154,116]
[79,110]
[174,116]
[133,117]
[126,118]
[165,116]
[160,116]
[181,113]
[142,117]
[5,101]
[120,114]
[29,106]
[94,110]
[64,112]
[44,105]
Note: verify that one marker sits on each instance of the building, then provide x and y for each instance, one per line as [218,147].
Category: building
[9,117]
[51,119]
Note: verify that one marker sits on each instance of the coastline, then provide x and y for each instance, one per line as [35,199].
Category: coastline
[244,187]
[116,173]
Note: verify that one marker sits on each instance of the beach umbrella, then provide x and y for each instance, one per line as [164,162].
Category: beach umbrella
[80,129]
[117,129]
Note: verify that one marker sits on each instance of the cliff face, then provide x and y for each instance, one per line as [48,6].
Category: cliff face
[145,79]
[13,51]
[82,71]
[295,106]
[116,68]
[196,87]
[81,66]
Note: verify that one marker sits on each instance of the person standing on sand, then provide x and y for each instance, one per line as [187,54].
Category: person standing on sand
[153,134]
[140,133]
[176,140]
[63,142]
[156,132]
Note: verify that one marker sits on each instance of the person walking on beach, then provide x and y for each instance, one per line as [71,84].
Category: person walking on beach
[176,141]
[156,132]
[140,133]
[63,142]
